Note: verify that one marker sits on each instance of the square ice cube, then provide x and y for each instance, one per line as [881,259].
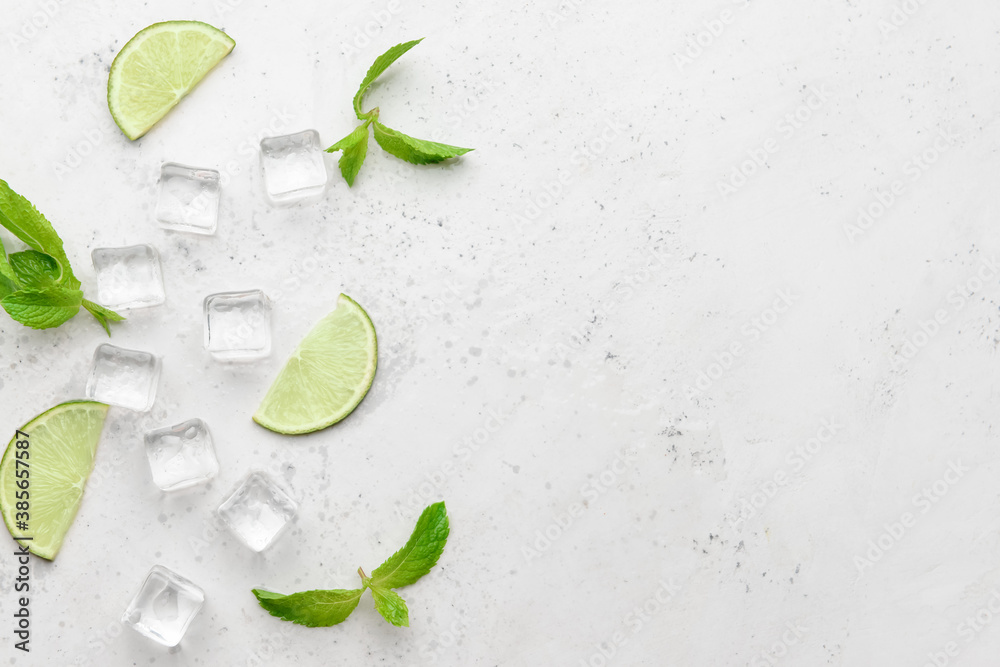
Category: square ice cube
[189,198]
[164,607]
[126,378]
[238,325]
[181,456]
[128,277]
[258,511]
[293,167]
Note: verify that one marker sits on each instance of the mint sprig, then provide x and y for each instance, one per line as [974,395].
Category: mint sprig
[37,286]
[323,608]
[355,144]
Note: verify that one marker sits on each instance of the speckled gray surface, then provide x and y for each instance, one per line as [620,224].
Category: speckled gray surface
[685,406]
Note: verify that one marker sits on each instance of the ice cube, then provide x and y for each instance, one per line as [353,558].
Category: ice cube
[164,607]
[238,325]
[128,277]
[258,511]
[293,167]
[126,378]
[189,198]
[181,456]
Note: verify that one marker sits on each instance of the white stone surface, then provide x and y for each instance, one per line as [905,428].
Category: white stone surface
[533,368]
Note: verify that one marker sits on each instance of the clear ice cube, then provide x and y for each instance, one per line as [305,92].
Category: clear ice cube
[238,325]
[189,198]
[293,167]
[126,378]
[128,277]
[181,456]
[258,511]
[164,607]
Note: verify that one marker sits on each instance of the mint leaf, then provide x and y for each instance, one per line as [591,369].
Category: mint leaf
[52,293]
[311,608]
[6,272]
[323,608]
[102,314]
[417,151]
[7,286]
[25,222]
[380,65]
[43,308]
[391,606]
[35,269]
[420,553]
[355,147]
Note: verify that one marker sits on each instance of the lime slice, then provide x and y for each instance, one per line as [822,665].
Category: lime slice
[328,375]
[158,67]
[60,448]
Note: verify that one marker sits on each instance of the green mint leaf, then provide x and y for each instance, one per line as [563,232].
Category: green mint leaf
[380,65]
[417,151]
[43,308]
[6,272]
[391,606]
[312,608]
[355,147]
[25,222]
[420,553]
[35,270]
[7,286]
[102,314]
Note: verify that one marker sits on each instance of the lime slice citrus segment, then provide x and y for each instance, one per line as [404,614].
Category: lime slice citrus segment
[158,67]
[327,376]
[60,448]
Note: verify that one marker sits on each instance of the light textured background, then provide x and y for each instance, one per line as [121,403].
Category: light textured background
[542,307]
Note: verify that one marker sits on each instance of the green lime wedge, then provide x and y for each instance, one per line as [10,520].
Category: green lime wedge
[158,67]
[327,376]
[42,476]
